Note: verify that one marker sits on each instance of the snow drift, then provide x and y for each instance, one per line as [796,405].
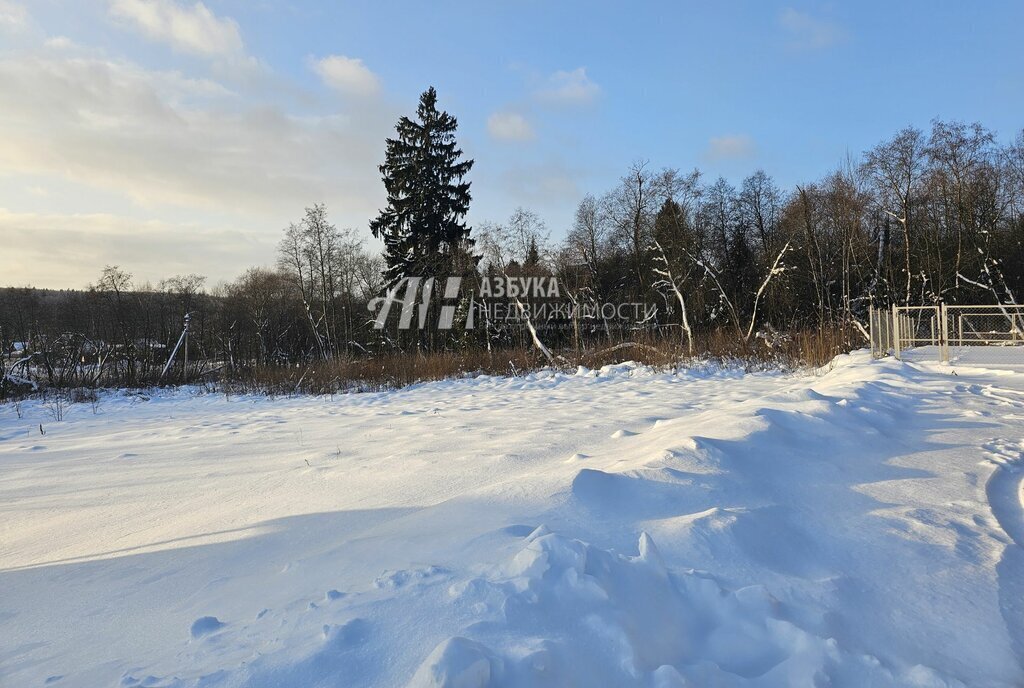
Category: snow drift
[621,527]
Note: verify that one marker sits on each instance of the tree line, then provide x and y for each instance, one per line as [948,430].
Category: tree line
[921,218]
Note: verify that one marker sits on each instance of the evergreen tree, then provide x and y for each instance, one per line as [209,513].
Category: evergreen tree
[675,232]
[532,254]
[423,227]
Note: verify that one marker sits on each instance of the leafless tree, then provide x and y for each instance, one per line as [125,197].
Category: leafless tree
[896,167]
[631,207]
[760,202]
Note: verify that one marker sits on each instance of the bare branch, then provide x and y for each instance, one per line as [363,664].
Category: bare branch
[776,270]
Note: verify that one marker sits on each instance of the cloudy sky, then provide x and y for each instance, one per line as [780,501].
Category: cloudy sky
[175,136]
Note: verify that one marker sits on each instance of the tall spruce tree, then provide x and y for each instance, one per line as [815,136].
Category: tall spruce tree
[423,226]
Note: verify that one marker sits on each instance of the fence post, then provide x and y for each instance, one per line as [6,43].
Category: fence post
[871,329]
[884,316]
[943,334]
[895,332]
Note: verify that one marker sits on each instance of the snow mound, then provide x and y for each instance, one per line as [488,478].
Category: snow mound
[572,613]
[455,663]
[205,626]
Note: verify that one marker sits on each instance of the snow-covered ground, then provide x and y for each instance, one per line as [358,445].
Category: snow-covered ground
[858,526]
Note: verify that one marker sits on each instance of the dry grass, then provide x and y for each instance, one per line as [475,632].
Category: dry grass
[802,349]
[376,373]
[810,348]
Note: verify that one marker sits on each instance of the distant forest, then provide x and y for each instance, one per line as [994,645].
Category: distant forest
[921,218]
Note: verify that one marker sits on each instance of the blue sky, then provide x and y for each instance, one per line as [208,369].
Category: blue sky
[171,136]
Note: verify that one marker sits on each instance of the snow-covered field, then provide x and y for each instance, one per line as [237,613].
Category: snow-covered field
[858,526]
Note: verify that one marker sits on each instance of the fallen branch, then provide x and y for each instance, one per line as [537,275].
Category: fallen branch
[626,345]
[533,335]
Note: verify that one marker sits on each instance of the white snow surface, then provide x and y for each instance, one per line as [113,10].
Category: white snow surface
[859,525]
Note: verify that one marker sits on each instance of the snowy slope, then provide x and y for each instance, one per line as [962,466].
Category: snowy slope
[860,526]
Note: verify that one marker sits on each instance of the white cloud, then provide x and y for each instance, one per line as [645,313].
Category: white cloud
[69,250]
[160,137]
[808,33]
[730,147]
[60,43]
[346,74]
[192,28]
[509,126]
[569,88]
[171,145]
[12,15]
[543,185]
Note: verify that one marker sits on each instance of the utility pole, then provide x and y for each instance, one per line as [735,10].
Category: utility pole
[184,371]
[183,339]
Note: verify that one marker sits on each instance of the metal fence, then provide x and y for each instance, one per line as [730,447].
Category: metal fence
[950,333]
